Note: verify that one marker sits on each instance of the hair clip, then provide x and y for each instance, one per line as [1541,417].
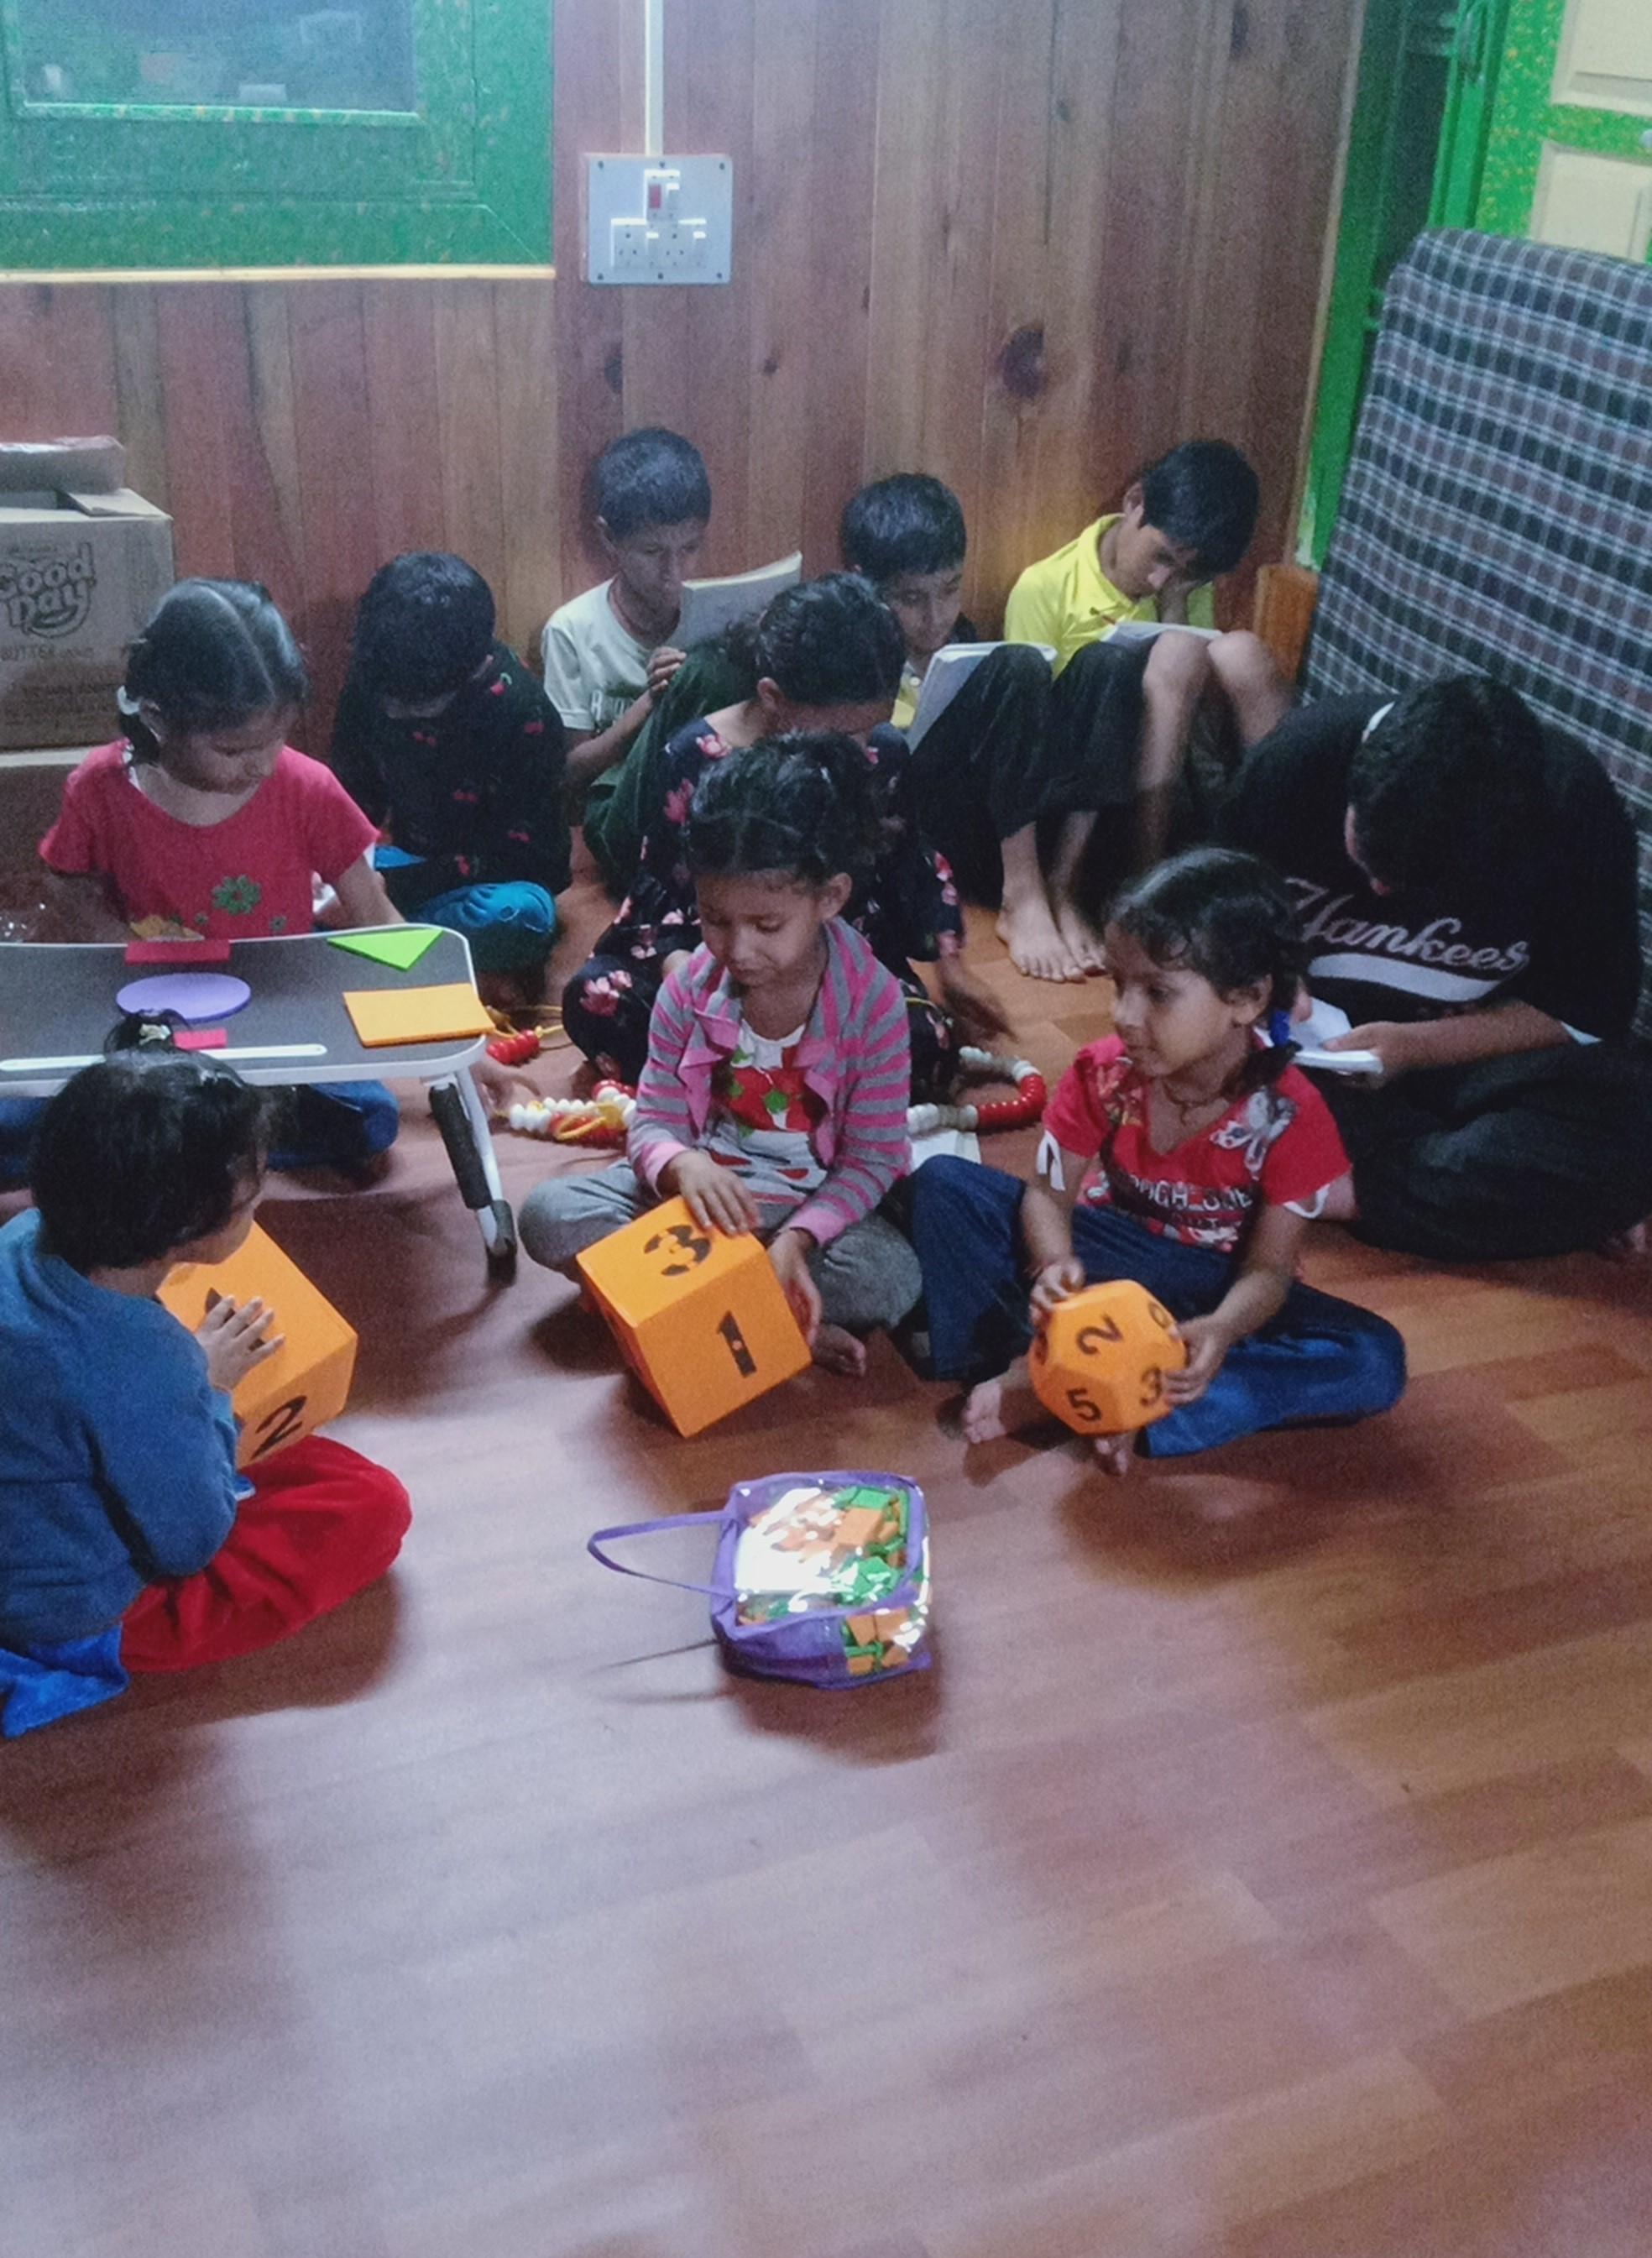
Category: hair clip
[1278,1028]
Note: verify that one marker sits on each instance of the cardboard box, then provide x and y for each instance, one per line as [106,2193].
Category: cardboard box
[82,565]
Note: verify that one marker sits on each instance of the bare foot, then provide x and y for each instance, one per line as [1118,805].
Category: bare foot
[836,1350]
[1080,936]
[1027,930]
[1114,1453]
[1626,1245]
[998,1407]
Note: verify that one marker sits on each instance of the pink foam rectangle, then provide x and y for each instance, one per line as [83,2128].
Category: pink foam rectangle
[200,1038]
[177,952]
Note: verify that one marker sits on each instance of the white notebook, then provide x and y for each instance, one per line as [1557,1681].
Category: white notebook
[710,608]
[1317,1030]
[1145,630]
[945,675]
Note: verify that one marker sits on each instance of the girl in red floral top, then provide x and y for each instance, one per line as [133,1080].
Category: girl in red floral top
[1183,1151]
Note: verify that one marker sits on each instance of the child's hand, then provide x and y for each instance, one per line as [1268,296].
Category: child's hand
[1053,1283]
[1208,1344]
[717,1200]
[661,667]
[500,1087]
[232,1334]
[789,1252]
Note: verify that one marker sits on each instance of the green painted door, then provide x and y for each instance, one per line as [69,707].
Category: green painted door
[1423,110]
[1570,154]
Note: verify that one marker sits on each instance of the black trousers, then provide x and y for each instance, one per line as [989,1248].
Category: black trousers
[988,768]
[1545,1153]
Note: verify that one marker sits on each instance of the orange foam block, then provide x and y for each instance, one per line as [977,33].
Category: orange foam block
[417,1015]
[701,1315]
[1100,1359]
[307,1382]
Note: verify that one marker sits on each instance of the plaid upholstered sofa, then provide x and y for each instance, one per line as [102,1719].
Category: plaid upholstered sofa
[1497,514]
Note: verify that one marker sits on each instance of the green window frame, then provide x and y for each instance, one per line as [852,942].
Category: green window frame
[463,179]
[1527,116]
[1429,74]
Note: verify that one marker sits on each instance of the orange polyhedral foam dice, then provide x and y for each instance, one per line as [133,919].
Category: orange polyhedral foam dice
[701,1315]
[307,1382]
[1099,1364]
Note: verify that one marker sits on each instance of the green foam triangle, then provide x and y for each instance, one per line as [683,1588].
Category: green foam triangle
[400,945]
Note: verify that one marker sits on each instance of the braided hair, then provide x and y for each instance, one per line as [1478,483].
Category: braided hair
[799,806]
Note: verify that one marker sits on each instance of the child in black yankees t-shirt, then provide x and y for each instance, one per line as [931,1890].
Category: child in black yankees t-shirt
[1466,883]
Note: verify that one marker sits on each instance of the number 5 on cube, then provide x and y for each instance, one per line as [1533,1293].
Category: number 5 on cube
[701,1316]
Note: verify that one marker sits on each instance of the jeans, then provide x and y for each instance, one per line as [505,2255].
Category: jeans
[321,1125]
[510,926]
[1320,1359]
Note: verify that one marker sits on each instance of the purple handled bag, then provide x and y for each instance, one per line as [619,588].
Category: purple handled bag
[823,1578]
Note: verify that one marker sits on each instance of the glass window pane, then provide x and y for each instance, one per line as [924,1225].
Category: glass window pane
[248,53]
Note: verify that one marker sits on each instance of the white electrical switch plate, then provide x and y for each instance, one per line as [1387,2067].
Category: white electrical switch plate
[659,219]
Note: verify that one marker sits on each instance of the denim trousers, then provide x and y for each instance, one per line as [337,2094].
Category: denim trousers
[1319,1358]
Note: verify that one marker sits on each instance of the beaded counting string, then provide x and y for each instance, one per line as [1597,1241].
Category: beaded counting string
[1016,1112]
[599,1120]
[602,1119]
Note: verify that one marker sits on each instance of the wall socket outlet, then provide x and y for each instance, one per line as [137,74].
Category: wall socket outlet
[659,219]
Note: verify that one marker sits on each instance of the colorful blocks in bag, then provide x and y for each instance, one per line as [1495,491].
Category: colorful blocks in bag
[701,1316]
[1099,1364]
[307,1382]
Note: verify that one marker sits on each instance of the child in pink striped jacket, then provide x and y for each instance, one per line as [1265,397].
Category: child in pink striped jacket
[774,1097]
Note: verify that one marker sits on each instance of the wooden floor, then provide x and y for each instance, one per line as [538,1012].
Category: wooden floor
[1264,1869]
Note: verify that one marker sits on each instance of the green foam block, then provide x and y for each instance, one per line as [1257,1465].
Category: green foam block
[399,945]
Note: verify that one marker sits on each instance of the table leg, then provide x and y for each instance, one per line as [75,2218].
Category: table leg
[462,1118]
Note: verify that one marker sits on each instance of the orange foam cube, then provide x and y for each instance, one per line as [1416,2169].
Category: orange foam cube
[701,1315]
[307,1382]
[1099,1364]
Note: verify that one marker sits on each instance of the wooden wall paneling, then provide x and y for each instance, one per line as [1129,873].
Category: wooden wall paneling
[529,461]
[1074,470]
[714,71]
[260,431]
[404,418]
[468,381]
[335,468]
[1151,179]
[140,409]
[906,232]
[1014,394]
[599,108]
[786,320]
[956,357]
[56,348]
[1143,182]
[192,328]
[834,347]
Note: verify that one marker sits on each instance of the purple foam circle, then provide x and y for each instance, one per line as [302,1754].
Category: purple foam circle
[192,995]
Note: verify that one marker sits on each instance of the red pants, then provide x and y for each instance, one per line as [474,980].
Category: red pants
[323,1523]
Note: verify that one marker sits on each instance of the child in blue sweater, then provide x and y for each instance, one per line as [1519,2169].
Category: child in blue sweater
[120,1502]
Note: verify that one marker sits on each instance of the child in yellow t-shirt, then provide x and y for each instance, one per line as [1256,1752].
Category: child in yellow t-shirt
[1127,704]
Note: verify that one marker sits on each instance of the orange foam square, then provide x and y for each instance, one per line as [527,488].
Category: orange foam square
[417,1015]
